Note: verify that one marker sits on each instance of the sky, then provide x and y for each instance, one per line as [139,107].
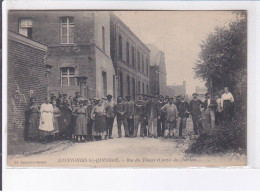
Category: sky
[179,34]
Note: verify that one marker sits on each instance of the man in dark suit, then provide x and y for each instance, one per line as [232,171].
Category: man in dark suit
[195,111]
[161,117]
[210,106]
[183,110]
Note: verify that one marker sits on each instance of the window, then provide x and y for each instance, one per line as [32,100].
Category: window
[133,56]
[138,60]
[147,89]
[128,85]
[142,63]
[143,88]
[120,48]
[127,53]
[147,67]
[121,84]
[68,76]
[25,27]
[133,84]
[67,30]
[139,87]
[104,77]
[103,39]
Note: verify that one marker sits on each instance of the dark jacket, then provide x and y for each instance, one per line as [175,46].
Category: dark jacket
[140,108]
[130,109]
[182,108]
[120,110]
[213,104]
[195,107]
[160,105]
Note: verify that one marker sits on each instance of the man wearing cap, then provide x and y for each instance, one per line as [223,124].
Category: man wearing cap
[195,111]
[110,115]
[152,110]
[171,115]
[183,110]
[120,110]
[161,117]
[210,106]
[140,116]
[130,111]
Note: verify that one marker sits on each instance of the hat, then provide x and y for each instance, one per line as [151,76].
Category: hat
[109,96]
[161,96]
[194,94]
[170,98]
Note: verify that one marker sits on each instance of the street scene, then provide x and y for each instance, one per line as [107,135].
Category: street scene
[97,89]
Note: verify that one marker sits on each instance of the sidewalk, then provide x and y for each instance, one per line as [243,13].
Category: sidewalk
[31,148]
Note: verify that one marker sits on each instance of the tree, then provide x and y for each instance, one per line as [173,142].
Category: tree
[223,56]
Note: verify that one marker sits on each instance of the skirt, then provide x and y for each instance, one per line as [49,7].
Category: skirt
[81,125]
[99,128]
[227,110]
[33,125]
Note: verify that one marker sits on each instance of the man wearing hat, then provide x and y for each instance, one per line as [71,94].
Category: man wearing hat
[140,116]
[210,106]
[171,115]
[110,115]
[183,110]
[161,117]
[195,111]
[130,111]
[120,110]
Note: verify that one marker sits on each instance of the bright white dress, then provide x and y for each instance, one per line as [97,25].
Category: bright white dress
[46,120]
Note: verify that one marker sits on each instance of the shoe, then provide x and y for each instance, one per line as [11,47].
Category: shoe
[156,137]
[182,137]
[119,136]
[174,137]
[110,137]
[150,136]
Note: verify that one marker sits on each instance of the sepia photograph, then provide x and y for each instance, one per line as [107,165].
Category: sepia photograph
[129,88]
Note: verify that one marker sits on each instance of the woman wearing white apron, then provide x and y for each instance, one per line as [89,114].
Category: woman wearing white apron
[46,120]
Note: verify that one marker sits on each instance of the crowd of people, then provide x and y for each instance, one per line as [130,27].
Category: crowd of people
[83,120]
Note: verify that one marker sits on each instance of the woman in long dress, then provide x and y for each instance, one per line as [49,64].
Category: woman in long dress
[33,121]
[56,115]
[81,122]
[226,104]
[98,116]
[46,120]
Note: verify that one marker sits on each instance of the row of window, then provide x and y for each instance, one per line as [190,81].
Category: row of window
[67,30]
[140,88]
[142,65]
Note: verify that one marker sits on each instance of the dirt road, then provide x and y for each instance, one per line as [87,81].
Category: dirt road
[127,152]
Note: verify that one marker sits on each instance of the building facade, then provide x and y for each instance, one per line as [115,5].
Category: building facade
[27,75]
[179,89]
[157,71]
[78,49]
[131,59]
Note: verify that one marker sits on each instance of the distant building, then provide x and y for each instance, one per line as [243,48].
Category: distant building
[157,71]
[26,78]
[169,92]
[78,49]
[179,89]
[131,59]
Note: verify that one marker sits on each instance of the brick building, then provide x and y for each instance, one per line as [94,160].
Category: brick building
[131,59]
[157,71]
[26,78]
[78,48]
